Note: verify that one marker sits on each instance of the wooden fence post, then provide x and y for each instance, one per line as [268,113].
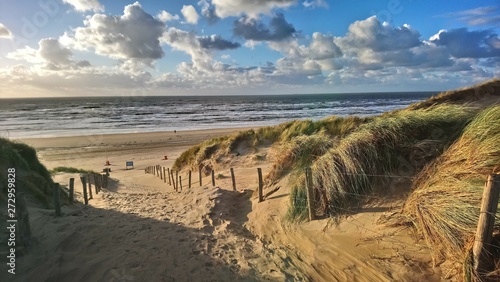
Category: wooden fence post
[90,187]
[259,172]
[180,183]
[176,180]
[71,190]
[189,180]
[232,179]
[168,172]
[105,181]
[23,220]
[213,178]
[199,174]
[173,179]
[57,199]
[84,183]
[164,176]
[310,194]
[485,224]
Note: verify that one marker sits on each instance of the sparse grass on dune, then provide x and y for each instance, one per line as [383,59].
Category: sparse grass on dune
[31,176]
[69,170]
[467,94]
[378,147]
[446,202]
[277,135]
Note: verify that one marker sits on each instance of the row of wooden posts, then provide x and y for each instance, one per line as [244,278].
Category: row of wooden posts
[176,181]
[99,181]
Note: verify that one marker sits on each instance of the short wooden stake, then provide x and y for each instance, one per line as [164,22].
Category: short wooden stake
[199,173]
[180,183]
[84,183]
[96,183]
[261,184]
[310,194]
[161,172]
[213,178]
[23,220]
[90,187]
[173,179]
[105,181]
[189,180]
[176,180]
[57,199]
[232,179]
[164,176]
[71,190]
[485,224]
[168,172]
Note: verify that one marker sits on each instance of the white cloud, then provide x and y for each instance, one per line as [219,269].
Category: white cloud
[5,32]
[251,8]
[50,55]
[133,36]
[315,4]
[165,16]
[374,35]
[487,15]
[190,14]
[85,5]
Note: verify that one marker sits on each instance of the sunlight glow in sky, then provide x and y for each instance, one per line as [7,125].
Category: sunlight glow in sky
[109,47]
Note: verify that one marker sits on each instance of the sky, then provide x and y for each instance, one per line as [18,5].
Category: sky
[51,48]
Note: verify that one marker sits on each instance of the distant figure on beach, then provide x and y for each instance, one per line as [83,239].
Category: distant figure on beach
[175,131]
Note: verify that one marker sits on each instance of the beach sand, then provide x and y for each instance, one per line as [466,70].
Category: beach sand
[141,229]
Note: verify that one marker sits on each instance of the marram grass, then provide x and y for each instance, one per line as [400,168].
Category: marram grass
[373,152]
[447,198]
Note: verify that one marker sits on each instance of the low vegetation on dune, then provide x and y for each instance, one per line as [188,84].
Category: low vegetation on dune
[447,198]
[390,145]
[31,176]
[490,88]
[211,151]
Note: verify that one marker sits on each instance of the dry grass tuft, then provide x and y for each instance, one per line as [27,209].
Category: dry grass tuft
[381,147]
[446,201]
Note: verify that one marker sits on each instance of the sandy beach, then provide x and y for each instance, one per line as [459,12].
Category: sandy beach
[140,229]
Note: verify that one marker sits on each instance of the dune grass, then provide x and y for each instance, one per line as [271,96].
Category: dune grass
[32,177]
[445,204]
[278,136]
[69,170]
[369,155]
[464,95]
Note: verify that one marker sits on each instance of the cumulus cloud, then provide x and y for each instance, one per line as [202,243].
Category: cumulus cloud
[5,32]
[165,16]
[50,53]
[374,35]
[252,29]
[463,43]
[133,36]
[208,11]
[190,14]
[250,8]
[315,4]
[85,5]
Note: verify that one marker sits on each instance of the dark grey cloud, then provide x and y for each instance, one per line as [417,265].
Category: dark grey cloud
[252,29]
[462,43]
[215,42]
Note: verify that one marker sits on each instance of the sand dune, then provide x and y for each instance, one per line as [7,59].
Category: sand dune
[140,229]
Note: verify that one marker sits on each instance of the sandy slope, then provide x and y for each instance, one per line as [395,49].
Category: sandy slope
[140,229]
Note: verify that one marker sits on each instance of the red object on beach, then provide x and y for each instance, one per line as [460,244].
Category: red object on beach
[165,158]
[107,163]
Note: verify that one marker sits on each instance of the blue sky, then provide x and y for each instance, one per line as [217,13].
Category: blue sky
[109,47]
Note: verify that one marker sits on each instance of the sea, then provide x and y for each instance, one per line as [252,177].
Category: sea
[69,116]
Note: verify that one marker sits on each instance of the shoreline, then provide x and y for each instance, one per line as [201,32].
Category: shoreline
[134,140]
